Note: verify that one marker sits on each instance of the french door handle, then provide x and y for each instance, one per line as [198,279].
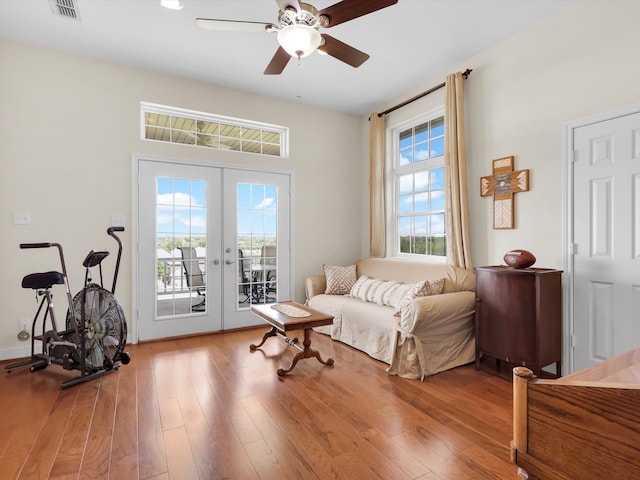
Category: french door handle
[228,261]
[216,262]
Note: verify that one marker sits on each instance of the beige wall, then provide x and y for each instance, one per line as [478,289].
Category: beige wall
[69,128]
[575,63]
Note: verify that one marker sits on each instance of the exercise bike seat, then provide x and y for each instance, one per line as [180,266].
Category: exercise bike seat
[42,280]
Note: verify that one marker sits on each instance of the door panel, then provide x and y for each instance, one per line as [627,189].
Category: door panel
[180,278]
[257,243]
[605,224]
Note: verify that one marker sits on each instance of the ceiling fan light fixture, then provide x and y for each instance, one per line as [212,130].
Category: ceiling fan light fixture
[172,4]
[299,40]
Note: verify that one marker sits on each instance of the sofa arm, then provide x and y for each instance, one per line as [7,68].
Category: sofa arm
[436,310]
[314,285]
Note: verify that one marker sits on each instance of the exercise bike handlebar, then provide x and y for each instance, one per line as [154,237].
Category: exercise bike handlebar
[111,232]
[36,245]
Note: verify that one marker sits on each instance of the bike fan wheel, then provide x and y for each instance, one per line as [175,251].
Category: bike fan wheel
[105,328]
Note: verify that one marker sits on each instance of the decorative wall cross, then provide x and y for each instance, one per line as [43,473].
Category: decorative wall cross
[502,185]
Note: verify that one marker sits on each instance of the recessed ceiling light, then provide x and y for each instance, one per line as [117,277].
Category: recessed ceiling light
[172,4]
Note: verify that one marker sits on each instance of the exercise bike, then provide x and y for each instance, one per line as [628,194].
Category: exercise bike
[95,336]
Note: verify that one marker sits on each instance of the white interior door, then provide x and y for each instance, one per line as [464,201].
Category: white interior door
[606,230]
[212,241]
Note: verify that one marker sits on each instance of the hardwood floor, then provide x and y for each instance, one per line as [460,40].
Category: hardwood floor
[206,408]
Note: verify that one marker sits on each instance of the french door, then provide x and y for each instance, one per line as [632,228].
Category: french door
[212,242]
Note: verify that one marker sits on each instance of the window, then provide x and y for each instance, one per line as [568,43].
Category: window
[174,125]
[418,181]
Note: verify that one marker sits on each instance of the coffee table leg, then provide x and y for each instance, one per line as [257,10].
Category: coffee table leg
[271,333]
[305,353]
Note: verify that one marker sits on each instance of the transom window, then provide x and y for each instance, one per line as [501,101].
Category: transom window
[174,125]
[419,196]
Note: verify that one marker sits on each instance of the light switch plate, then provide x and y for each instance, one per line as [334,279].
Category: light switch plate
[118,220]
[22,218]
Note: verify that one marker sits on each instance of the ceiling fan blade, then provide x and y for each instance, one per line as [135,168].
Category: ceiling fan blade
[342,51]
[282,4]
[278,62]
[232,25]
[349,9]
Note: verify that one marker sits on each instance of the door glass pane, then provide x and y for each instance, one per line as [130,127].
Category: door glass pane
[181,232]
[257,244]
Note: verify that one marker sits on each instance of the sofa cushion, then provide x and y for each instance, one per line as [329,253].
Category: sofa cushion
[339,279]
[420,289]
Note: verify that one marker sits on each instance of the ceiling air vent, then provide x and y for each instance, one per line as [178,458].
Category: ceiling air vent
[65,8]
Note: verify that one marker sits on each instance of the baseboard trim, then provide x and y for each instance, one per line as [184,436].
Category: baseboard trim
[17,352]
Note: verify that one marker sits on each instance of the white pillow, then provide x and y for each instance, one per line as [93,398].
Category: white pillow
[421,289]
[371,291]
[396,296]
[381,290]
[359,289]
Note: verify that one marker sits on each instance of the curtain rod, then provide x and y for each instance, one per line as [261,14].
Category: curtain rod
[465,74]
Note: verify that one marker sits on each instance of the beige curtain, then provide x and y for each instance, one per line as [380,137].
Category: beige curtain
[376,187]
[455,160]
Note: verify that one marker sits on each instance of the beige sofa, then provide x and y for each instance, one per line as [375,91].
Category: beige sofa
[430,335]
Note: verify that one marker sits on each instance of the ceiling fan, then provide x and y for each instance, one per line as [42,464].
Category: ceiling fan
[298,34]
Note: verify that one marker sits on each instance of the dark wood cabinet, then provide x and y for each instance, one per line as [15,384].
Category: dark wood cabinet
[519,317]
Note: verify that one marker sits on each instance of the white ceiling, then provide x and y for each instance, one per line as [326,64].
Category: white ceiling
[409,43]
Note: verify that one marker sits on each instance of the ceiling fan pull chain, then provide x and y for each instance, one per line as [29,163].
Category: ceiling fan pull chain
[299,94]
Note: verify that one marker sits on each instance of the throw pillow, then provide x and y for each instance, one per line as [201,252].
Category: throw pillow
[381,290]
[339,279]
[397,293]
[359,288]
[371,291]
[421,289]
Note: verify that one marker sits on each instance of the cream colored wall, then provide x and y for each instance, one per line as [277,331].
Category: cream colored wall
[69,127]
[575,63]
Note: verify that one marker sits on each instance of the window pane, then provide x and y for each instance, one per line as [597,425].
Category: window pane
[178,136]
[257,196]
[437,200]
[229,144]
[210,141]
[406,204]
[421,152]
[437,147]
[198,221]
[437,178]
[209,128]
[422,133]
[421,181]
[404,233]
[244,222]
[439,246]
[230,131]
[251,134]
[179,123]
[405,139]
[421,202]
[437,127]
[405,156]
[271,196]
[405,184]
[252,147]
[437,224]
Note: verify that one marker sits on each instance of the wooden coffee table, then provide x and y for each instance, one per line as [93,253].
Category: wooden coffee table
[284,317]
